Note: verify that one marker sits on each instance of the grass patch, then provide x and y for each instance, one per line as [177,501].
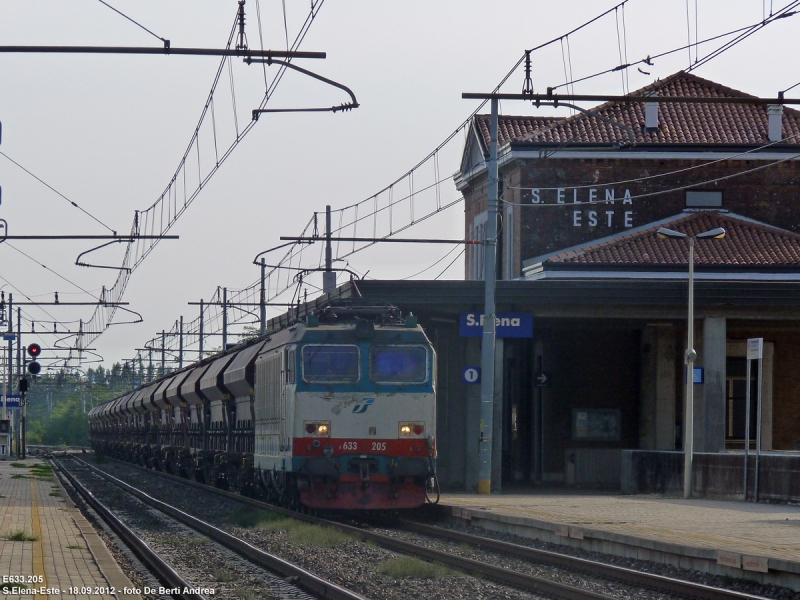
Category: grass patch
[55,493]
[406,567]
[463,548]
[17,465]
[278,524]
[223,575]
[305,534]
[314,535]
[252,517]
[73,547]
[20,535]
[20,476]
[41,469]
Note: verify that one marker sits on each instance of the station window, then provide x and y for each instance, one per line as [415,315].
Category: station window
[330,364]
[703,199]
[398,364]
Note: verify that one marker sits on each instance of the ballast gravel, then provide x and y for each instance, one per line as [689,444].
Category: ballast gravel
[354,564]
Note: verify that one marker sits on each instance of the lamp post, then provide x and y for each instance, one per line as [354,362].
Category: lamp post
[691,355]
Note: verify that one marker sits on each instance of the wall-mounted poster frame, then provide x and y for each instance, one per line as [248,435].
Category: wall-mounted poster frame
[596,424]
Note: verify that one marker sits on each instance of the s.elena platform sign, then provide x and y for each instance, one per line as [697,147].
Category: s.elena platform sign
[507,324]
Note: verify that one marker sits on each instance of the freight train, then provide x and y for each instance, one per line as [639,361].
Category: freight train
[337,411]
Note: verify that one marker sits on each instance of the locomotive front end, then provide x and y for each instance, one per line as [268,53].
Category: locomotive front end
[365,416]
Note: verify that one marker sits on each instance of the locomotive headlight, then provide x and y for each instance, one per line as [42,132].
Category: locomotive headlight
[414,428]
[317,428]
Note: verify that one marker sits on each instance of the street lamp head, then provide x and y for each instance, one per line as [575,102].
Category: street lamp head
[665,233]
[716,234]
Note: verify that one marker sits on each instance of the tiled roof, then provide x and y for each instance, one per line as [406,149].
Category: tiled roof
[679,123]
[514,128]
[746,243]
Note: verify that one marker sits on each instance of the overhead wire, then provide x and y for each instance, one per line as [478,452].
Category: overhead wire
[450,265]
[51,188]
[786,11]
[273,284]
[166,42]
[689,34]
[57,274]
[453,249]
[134,254]
[650,58]
[663,174]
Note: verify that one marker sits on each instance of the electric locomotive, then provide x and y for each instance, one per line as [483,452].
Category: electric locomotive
[337,411]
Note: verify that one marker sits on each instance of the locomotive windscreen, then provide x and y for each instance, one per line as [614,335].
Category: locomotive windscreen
[330,364]
[398,364]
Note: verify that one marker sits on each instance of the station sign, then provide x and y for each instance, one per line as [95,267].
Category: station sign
[507,324]
[13,401]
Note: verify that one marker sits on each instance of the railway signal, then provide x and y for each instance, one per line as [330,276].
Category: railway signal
[34,350]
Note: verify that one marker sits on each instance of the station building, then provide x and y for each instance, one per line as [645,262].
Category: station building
[604,370]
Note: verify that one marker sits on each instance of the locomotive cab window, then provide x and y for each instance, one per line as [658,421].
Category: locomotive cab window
[330,364]
[398,364]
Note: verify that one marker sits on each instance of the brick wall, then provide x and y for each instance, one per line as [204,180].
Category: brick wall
[769,195]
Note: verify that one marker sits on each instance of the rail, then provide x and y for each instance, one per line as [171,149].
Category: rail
[157,565]
[301,577]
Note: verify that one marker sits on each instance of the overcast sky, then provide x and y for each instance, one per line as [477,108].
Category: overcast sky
[108,131]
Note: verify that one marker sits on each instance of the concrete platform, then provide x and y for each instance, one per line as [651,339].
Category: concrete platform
[68,552]
[760,542]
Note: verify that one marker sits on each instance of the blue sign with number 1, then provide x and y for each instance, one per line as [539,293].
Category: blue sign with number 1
[472,375]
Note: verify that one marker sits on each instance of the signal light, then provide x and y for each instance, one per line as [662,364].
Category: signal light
[34,350]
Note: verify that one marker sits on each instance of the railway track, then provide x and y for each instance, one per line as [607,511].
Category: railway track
[619,575]
[599,569]
[298,577]
[151,559]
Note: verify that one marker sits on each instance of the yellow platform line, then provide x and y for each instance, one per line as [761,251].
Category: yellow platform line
[38,545]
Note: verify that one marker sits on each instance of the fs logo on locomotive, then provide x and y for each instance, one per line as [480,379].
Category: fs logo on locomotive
[362,406]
